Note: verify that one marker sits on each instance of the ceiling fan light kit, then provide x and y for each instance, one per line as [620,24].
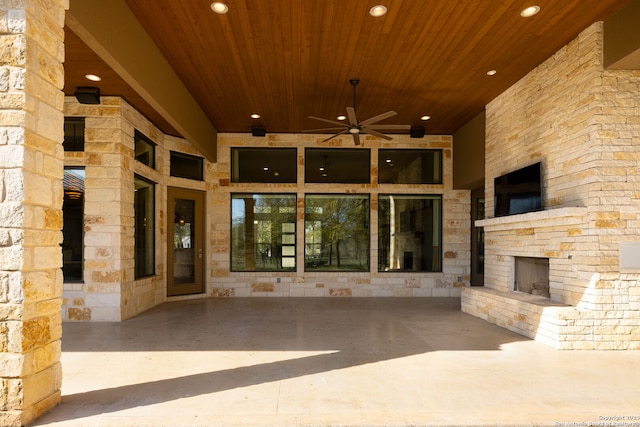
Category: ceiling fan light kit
[355,127]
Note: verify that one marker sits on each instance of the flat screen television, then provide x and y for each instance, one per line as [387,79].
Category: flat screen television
[519,191]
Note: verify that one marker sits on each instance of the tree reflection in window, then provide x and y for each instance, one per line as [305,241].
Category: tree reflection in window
[337,232]
[409,233]
[263,232]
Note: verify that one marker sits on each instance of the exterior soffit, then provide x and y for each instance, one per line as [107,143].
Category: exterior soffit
[110,29]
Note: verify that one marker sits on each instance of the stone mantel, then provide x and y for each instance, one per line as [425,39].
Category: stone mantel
[546,218]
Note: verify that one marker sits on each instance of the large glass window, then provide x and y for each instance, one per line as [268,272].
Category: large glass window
[186,166]
[73,134]
[337,165]
[336,232]
[73,225]
[409,233]
[264,165]
[144,227]
[263,232]
[404,166]
[145,150]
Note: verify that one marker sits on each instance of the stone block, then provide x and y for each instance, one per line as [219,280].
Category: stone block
[36,333]
[262,287]
[74,313]
[340,292]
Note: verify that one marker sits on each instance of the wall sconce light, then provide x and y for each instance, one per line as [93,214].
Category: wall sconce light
[258,131]
[87,95]
[417,132]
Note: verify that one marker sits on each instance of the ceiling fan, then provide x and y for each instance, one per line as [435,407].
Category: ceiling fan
[354,127]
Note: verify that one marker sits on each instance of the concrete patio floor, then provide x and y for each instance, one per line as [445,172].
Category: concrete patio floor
[332,362]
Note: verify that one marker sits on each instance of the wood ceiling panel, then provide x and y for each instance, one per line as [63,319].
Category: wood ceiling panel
[288,59]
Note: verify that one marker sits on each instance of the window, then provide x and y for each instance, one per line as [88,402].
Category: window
[409,166]
[73,134]
[263,232]
[409,233]
[186,166]
[73,225]
[144,227]
[145,150]
[264,165]
[336,233]
[337,165]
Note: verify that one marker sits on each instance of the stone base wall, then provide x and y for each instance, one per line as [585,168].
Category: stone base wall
[109,291]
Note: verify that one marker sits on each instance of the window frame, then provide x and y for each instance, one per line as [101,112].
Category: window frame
[308,267]
[269,167]
[275,253]
[139,137]
[80,228]
[149,259]
[198,161]
[384,155]
[438,233]
[325,168]
[68,145]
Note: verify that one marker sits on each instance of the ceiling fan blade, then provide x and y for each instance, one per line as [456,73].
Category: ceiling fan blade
[390,127]
[378,118]
[328,121]
[351,113]
[337,134]
[323,130]
[356,138]
[376,133]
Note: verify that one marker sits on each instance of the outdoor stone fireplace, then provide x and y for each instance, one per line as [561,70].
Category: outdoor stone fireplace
[584,131]
[530,276]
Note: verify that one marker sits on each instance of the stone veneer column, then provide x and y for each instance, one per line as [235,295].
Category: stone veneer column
[31,169]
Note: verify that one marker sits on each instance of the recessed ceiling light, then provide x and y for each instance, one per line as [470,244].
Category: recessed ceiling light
[378,10]
[92,77]
[341,117]
[491,73]
[425,118]
[219,7]
[266,168]
[388,160]
[530,11]
[255,116]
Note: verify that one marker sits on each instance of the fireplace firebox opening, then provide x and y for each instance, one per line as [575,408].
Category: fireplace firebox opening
[532,276]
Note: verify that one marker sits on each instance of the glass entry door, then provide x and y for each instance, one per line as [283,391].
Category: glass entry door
[185,242]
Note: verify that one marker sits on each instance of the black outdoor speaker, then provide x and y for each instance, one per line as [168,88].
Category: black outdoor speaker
[416,132]
[258,131]
[88,95]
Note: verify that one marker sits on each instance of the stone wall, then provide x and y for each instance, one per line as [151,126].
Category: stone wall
[456,226]
[110,291]
[583,123]
[31,80]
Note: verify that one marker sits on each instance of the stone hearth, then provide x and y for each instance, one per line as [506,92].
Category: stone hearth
[542,242]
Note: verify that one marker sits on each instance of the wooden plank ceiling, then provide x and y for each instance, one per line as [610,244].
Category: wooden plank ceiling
[289,59]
